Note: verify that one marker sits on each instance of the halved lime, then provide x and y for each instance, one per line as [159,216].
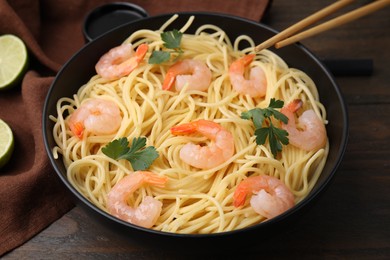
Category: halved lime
[13,60]
[6,143]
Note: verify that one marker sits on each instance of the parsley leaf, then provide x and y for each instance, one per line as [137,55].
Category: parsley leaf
[256,115]
[137,154]
[172,40]
[116,148]
[158,57]
[261,116]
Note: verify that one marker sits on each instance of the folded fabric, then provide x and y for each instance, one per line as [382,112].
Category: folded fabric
[31,195]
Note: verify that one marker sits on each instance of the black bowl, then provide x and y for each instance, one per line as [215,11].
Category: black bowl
[80,68]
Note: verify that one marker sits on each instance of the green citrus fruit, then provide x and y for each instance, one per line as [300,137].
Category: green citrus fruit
[13,60]
[6,143]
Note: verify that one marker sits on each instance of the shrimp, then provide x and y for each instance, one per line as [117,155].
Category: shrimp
[313,133]
[271,196]
[120,61]
[206,157]
[147,213]
[256,85]
[97,116]
[195,73]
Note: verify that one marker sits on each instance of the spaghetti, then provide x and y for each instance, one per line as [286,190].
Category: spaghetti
[194,200]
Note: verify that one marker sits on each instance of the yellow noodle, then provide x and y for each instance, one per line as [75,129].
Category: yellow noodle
[194,200]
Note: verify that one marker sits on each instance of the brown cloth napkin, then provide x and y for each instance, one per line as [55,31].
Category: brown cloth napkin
[31,194]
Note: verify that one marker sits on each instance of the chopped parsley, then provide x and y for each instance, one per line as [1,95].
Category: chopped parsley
[137,154]
[262,116]
[172,40]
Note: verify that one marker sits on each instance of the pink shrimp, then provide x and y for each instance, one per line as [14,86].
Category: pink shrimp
[147,213]
[120,61]
[256,85]
[271,196]
[195,73]
[97,116]
[206,157]
[313,133]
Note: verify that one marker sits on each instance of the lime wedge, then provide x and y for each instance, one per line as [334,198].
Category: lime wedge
[6,143]
[13,60]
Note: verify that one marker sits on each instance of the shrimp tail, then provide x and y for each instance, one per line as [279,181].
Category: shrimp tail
[247,59]
[141,52]
[170,77]
[132,64]
[206,127]
[77,129]
[294,105]
[242,190]
[185,129]
[153,179]
[239,197]
[241,63]
[168,81]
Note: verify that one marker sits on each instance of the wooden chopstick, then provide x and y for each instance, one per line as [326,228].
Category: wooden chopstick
[282,40]
[303,23]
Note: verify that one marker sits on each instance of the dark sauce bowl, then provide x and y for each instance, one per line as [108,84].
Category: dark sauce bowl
[80,68]
[109,16]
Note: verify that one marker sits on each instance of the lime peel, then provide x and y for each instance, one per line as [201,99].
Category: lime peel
[6,143]
[13,61]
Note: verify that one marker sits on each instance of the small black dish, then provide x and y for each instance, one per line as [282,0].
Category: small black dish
[109,16]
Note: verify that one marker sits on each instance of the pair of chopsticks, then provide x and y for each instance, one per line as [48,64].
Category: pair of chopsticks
[285,37]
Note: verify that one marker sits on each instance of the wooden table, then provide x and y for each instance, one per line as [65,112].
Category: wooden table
[350,220]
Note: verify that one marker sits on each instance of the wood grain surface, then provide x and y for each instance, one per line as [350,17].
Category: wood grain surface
[351,220]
